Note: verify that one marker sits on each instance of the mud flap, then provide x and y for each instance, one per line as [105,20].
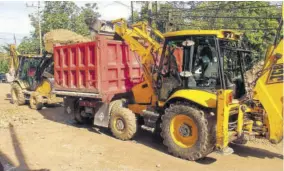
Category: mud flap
[102,116]
[69,106]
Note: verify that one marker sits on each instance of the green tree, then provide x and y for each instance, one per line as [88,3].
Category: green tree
[259,32]
[88,15]
[159,20]
[59,15]
[4,65]
[29,45]
[4,58]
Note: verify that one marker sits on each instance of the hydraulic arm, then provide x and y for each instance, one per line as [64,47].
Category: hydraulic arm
[140,38]
[14,62]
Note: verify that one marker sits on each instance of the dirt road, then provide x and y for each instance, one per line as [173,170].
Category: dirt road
[48,140]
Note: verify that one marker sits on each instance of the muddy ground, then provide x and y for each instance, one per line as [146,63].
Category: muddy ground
[49,140]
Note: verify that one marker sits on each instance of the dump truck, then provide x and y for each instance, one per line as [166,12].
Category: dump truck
[198,104]
[94,74]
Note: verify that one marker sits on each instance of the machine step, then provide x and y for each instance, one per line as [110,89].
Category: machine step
[226,151]
[147,128]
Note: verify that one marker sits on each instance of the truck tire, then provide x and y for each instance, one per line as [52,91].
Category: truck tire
[36,101]
[186,132]
[81,120]
[78,116]
[117,104]
[123,123]
[17,95]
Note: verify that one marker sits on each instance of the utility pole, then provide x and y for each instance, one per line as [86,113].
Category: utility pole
[15,40]
[132,14]
[39,28]
[150,13]
[39,25]
[157,14]
[157,8]
[169,23]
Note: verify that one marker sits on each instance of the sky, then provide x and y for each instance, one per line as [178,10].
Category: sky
[14,16]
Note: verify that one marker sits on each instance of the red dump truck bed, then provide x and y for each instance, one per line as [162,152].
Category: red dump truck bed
[103,67]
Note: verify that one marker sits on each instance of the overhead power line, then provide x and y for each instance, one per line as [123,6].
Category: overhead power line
[202,7]
[239,17]
[228,28]
[224,8]
[205,8]
[231,17]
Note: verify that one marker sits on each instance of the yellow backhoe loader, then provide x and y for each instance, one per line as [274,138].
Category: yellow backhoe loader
[202,104]
[33,81]
[34,74]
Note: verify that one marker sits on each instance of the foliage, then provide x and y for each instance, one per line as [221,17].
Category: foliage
[29,45]
[179,15]
[4,66]
[5,49]
[256,36]
[4,58]
[159,20]
[59,15]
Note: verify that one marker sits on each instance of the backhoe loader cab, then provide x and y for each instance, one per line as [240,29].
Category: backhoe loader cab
[211,61]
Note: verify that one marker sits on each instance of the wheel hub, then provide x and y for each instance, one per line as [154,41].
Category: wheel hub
[185,130]
[120,124]
[83,114]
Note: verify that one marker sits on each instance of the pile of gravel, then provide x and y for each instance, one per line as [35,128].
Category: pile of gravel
[62,37]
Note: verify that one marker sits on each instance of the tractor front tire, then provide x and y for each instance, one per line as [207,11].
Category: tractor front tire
[17,95]
[186,132]
[123,124]
[36,101]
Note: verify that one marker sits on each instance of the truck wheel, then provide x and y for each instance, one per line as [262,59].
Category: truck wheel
[185,132]
[123,123]
[80,117]
[36,101]
[17,95]
[117,104]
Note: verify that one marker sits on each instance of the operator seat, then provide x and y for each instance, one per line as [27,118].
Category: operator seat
[209,62]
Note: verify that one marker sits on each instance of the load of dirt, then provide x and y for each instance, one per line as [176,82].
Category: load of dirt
[252,74]
[62,37]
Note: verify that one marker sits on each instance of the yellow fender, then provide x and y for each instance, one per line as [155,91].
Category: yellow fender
[45,87]
[203,98]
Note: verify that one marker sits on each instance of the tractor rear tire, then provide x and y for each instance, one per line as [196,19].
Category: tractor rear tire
[186,132]
[36,101]
[17,95]
[123,124]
